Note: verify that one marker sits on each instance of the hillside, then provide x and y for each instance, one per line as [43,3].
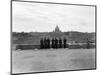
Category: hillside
[34,37]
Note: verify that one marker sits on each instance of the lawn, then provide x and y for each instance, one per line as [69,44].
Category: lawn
[24,61]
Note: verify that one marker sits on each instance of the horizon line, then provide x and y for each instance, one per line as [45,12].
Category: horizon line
[49,31]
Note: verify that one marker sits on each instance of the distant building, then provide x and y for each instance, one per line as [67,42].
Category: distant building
[57,30]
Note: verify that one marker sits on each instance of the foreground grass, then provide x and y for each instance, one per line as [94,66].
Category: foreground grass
[52,60]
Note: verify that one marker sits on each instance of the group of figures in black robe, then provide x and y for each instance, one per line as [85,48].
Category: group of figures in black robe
[53,43]
[46,43]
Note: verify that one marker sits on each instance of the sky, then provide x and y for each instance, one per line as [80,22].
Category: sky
[42,17]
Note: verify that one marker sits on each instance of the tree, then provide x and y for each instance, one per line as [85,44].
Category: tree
[88,43]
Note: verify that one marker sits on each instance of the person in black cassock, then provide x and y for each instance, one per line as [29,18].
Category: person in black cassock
[45,43]
[60,43]
[52,43]
[56,43]
[48,43]
[41,43]
[64,43]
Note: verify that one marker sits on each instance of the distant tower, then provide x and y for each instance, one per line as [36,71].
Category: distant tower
[57,29]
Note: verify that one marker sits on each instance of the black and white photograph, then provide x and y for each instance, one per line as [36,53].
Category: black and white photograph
[52,37]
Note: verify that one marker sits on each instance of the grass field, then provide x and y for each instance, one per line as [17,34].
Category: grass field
[52,60]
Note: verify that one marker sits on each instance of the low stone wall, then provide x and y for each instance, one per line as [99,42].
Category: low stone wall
[85,46]
[25,47]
